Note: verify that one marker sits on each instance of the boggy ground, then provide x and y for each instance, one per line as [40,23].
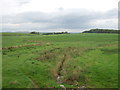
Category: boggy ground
[48,61]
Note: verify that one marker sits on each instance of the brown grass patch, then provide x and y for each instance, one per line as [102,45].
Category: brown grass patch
[27,45]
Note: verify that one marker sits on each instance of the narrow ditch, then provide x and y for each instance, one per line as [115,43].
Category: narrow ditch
[60,68]
[61,65]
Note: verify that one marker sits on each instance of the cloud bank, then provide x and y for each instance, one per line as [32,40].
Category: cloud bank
[72,20]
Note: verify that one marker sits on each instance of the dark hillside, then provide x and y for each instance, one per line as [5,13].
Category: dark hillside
[102,31]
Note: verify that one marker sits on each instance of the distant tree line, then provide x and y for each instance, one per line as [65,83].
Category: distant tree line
[102,31]
[34,32]
[49,33]
[56,33]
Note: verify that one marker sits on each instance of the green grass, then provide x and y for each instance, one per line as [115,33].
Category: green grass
[89,60]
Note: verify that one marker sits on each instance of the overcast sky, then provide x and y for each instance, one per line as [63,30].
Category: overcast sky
[58,15]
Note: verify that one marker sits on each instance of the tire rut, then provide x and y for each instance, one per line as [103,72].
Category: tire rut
[34,83]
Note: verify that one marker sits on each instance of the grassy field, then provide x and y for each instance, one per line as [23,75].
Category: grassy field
[48,61]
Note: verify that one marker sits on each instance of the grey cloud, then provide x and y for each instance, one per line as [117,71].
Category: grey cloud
[66,19]
[22,2]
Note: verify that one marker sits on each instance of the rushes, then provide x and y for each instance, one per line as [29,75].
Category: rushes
[67,70]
